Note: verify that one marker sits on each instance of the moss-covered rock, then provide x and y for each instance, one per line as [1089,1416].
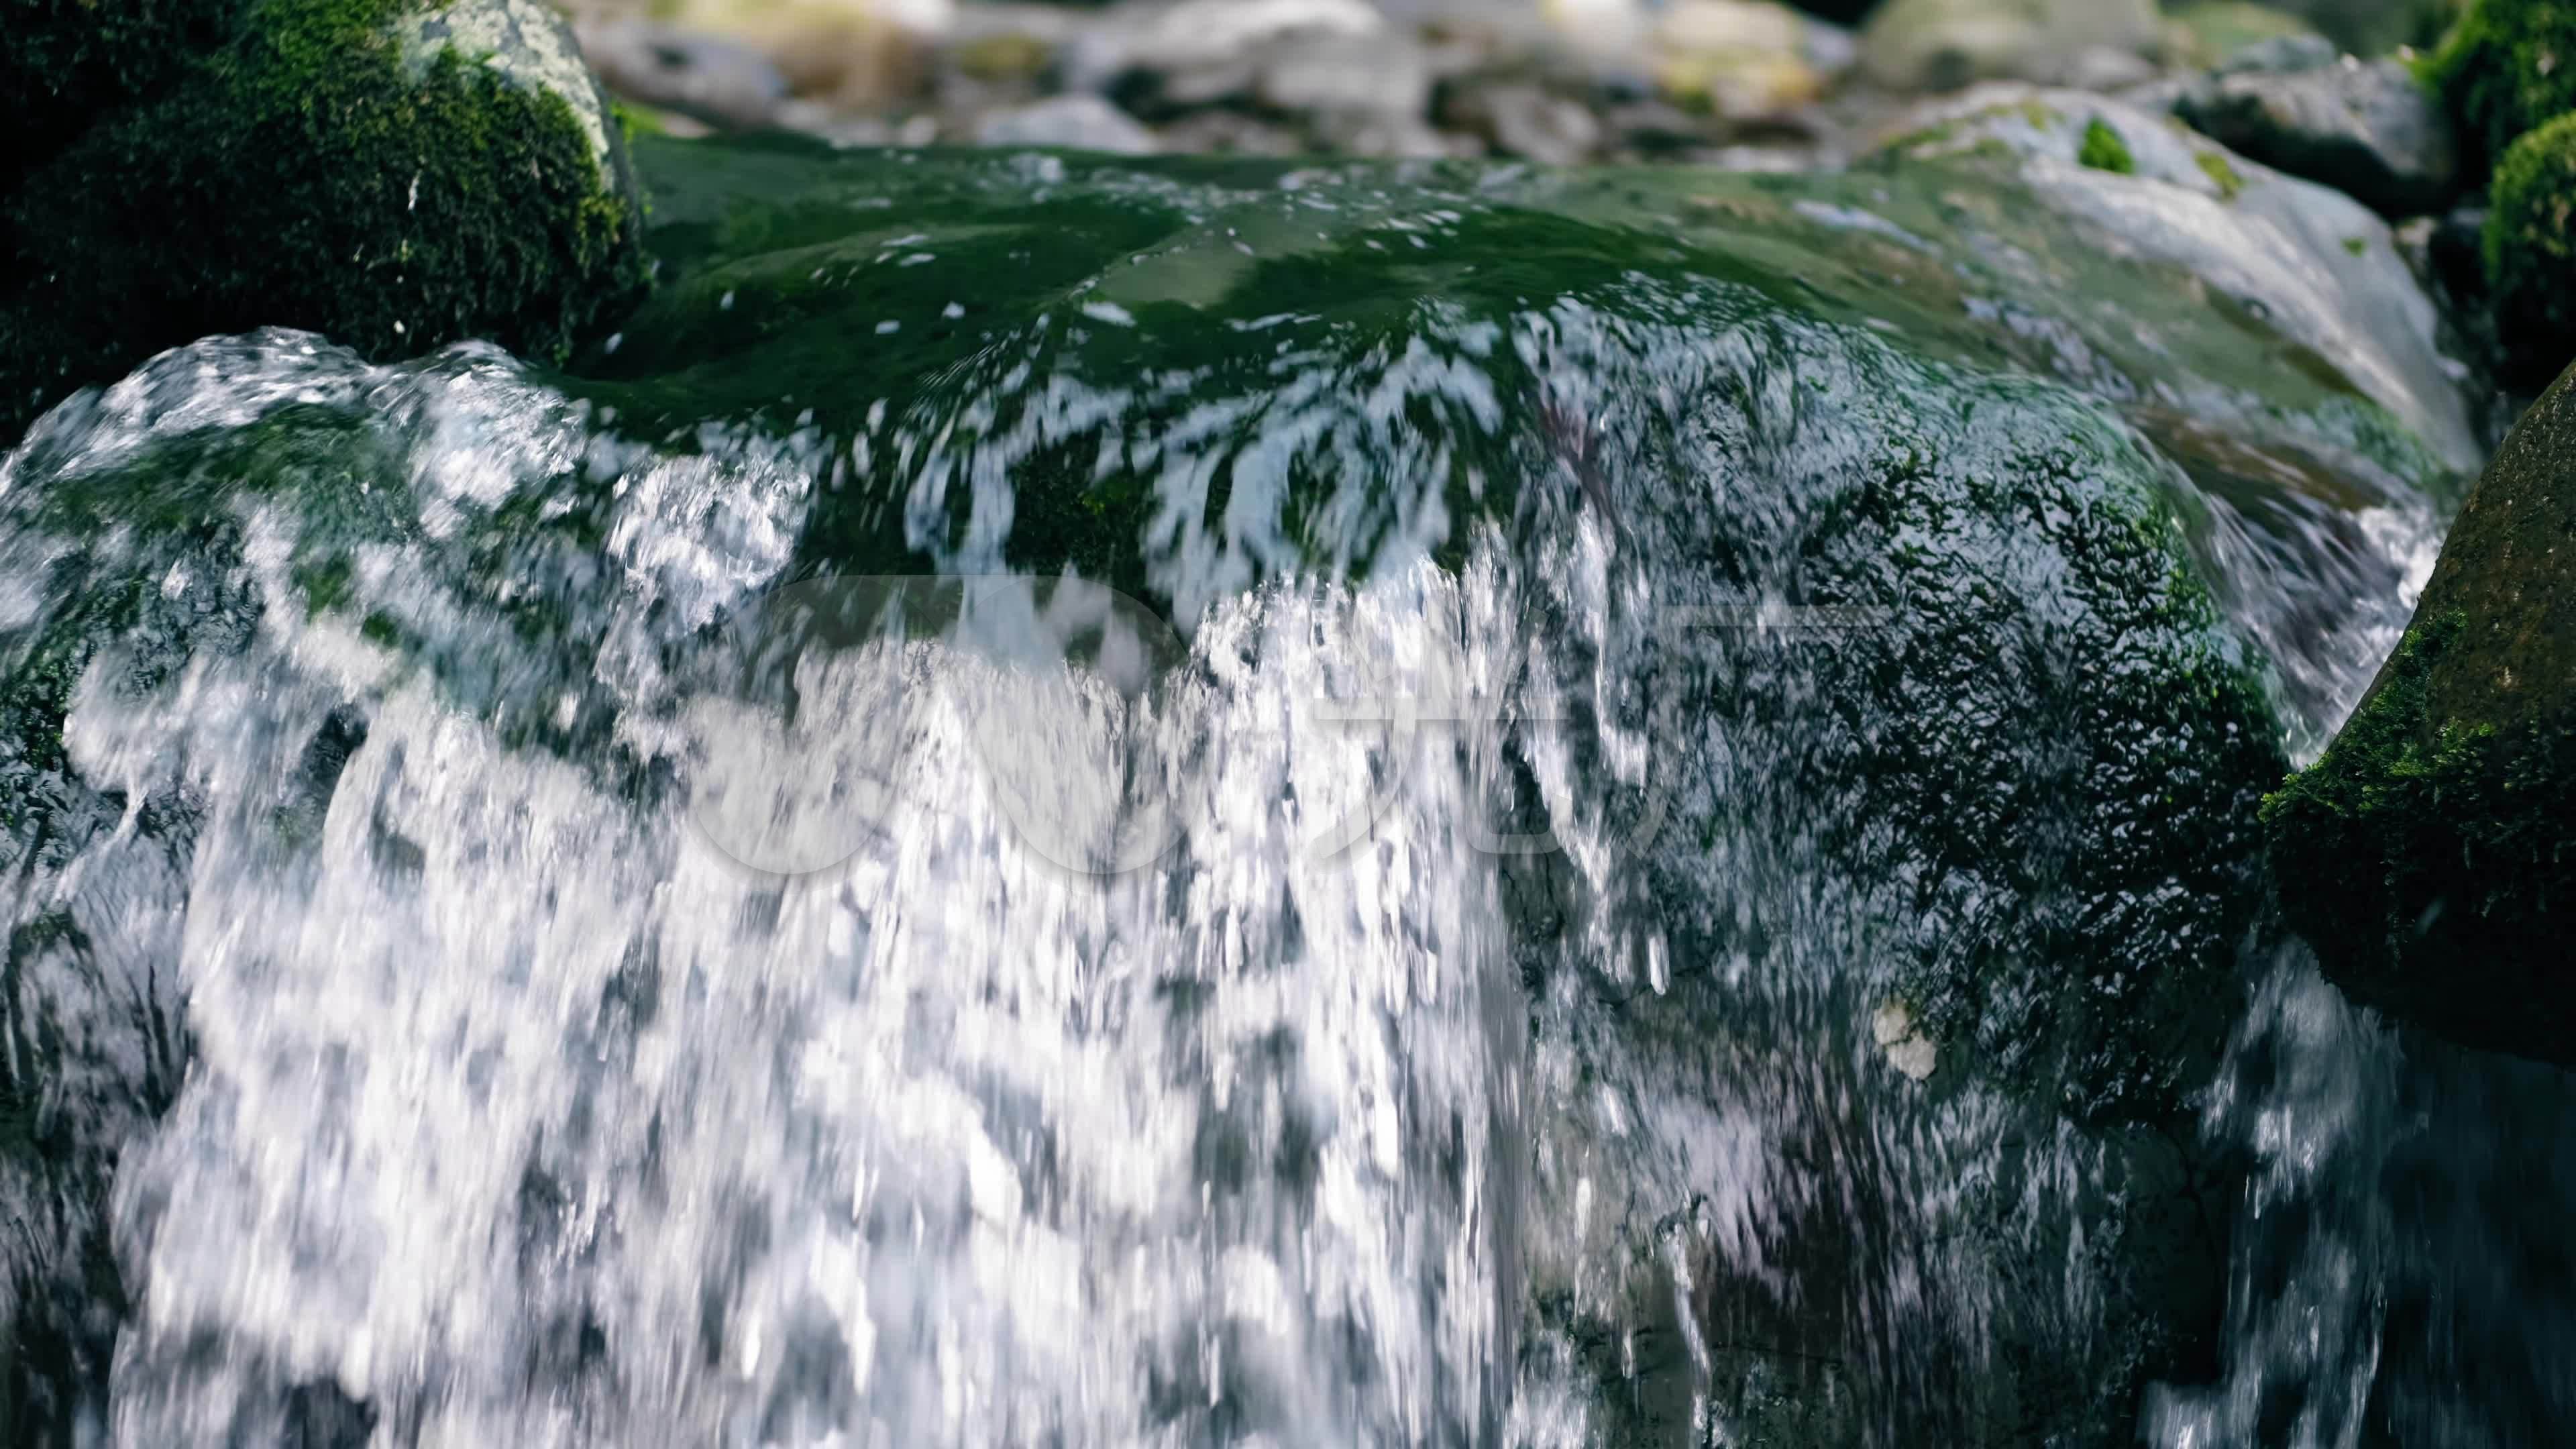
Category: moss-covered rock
[2508,67]
[2002,776]
[395,176]
[2531,251]
[2430,856]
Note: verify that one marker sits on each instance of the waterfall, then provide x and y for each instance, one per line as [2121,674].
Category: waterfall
[534,959]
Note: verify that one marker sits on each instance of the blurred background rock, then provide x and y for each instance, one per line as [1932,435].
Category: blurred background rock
[1750,84]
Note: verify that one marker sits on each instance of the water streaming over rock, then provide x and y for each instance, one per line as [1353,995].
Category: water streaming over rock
[1637,866]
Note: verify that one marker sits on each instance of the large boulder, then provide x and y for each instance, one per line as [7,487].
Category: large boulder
[2000,772]
[1862,522]
[394,175]
[2430,856]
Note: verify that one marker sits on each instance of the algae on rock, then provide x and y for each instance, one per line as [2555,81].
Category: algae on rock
[2105,151]
[2430,856]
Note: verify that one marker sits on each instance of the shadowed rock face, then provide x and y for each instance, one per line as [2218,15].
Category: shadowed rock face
[2431,854]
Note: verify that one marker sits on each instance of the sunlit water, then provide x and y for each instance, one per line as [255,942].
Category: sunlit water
[1390,1005]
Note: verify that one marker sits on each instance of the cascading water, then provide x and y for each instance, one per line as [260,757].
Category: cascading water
[2399,1274]
[1619,909]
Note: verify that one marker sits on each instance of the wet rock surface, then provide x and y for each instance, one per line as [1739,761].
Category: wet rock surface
[2426,853]
[2023,489]
[1942,522]
[2304,259]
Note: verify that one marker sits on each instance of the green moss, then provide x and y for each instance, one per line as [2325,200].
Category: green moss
[2105,151]
[2531,249]
[307,175]
[2357,245]
[2217,169]
[2508,67]
[2418,842]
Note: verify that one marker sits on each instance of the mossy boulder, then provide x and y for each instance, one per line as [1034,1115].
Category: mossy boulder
[2430,856]
[1998,769]
[2531,250]
[395,176]
[2508,67]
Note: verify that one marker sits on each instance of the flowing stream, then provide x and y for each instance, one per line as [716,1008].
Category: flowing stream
[1527,910]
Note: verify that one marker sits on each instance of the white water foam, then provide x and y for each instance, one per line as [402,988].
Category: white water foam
[522,1113]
